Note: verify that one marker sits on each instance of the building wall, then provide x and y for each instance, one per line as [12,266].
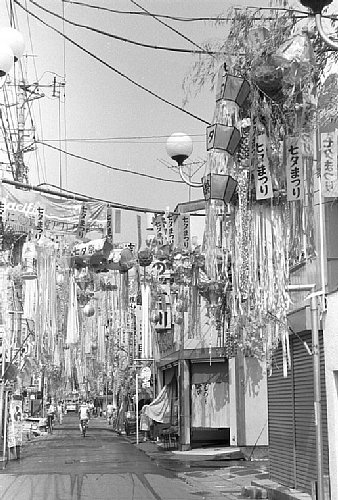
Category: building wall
[256,403]
[331,378]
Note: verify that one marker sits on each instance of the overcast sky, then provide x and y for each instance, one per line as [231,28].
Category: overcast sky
[100,104]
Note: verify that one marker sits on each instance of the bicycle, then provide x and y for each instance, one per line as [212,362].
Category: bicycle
[84,427]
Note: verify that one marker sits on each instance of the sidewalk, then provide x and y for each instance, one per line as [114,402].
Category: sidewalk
[219,473]
[214,473]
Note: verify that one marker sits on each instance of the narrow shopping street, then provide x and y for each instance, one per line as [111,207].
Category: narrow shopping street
[103,465]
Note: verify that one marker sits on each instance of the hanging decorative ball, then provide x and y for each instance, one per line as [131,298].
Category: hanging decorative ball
[14,40]
[127,260]
[268,77]
[145,257]
[88,310]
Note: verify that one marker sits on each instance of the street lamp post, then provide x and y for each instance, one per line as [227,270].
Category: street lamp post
[316,7]
[316,381]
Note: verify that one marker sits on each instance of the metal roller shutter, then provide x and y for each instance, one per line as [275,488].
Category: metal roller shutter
[280,414]
[291,413]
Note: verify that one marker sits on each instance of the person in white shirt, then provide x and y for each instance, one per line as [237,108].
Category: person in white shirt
[110,411]
[83,414]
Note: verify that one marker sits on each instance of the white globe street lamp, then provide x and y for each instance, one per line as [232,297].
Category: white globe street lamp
[317,6]
[179,148]
[12,46]
[6,59]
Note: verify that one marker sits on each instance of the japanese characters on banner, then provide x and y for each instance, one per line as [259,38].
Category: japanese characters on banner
[81,228]
[294,169]
[173,230]
[328,163]
[93,247]
[183,232]
[109,229]
[263,179]
[39,222]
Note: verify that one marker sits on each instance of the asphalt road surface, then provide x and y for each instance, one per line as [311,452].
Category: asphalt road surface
[101,466]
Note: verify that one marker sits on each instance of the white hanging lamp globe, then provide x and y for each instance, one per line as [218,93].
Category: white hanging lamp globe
[6,59]
[13,39]
[179,147]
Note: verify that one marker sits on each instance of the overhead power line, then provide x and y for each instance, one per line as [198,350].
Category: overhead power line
[123,75]
[123,140]
[118,169]
[126,40]
[170,28]
[186,19]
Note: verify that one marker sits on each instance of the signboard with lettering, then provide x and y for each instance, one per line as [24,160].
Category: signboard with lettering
[328,163]
[294,169]
[182,232]
[109,229]
[262,171]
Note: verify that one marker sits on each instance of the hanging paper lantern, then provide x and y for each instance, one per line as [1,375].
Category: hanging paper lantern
[232,88]
[145,257]
[89,310]
[223,138]
[14,40]
[6,59]
[219,187]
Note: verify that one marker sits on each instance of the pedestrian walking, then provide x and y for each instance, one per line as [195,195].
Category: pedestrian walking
[110,411]
[145,422]
[60,412]
[50,417]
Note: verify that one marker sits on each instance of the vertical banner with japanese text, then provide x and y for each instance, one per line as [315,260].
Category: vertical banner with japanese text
[294,169]
[139,231]
[109,231]
[82,225]
[263,179]
[39,222]
[160,229]
[328,163]
[182,232]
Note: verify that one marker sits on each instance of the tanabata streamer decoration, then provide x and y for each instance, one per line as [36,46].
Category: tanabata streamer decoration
[223,138]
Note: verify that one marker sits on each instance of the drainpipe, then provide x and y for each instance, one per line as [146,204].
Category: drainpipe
[316,379]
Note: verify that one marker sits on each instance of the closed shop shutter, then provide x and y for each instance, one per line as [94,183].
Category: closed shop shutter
[281,433]
[293,461]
